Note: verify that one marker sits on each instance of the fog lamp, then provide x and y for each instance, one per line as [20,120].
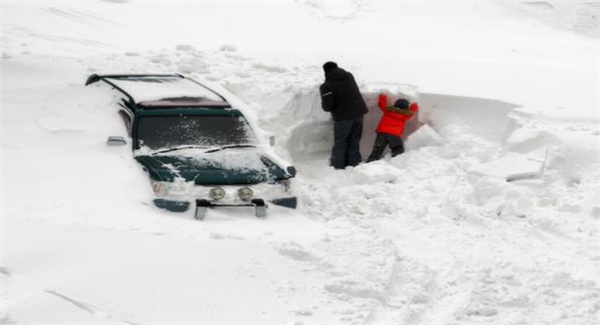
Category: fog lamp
[217,193]
[245,193]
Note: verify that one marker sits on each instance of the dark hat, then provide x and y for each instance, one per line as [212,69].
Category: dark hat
[328,66]
[401,103]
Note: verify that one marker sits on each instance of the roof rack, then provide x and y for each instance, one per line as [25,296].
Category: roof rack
[171,102]
[96,77]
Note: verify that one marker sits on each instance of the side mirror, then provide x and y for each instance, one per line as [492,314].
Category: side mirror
[272,140]
[116,141]
[291,170]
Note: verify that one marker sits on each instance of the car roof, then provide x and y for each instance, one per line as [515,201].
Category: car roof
[162,91]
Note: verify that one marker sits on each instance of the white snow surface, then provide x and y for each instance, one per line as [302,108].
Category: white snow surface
[490,216]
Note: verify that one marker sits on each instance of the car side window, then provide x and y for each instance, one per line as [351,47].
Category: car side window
[126,121]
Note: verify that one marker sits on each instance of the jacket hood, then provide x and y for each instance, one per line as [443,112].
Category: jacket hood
[227,167]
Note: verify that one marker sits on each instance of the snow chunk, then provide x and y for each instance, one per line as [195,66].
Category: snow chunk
[185,48]
[228,48]
[269,68]
[525,139]
[374,172]
[294,251]
[193,65]
[425,136]
[511,167]
[393,90]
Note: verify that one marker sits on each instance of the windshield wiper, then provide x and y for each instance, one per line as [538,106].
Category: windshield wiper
[179,148]
[231,146]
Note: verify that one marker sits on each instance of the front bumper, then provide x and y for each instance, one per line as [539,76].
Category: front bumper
[203,205]
[180,196]
[188,191]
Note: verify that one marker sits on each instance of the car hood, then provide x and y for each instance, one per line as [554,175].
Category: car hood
[226,167]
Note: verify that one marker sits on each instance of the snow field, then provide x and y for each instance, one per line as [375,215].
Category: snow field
[451,174]
[436,235]
[383,255]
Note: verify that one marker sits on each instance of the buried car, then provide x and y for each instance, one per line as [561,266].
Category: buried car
[195,147]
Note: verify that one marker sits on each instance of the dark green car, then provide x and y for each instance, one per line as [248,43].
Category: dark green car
[196,147]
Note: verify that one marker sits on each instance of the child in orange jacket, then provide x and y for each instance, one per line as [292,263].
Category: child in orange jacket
[391,126]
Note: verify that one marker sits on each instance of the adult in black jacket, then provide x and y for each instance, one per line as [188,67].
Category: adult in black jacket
[340,96]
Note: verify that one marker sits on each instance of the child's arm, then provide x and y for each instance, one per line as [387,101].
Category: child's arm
[382,103]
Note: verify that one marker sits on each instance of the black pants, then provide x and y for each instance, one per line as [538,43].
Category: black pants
[346,143]
[396,145]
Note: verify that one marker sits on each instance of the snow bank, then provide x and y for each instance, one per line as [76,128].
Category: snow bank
[308,129]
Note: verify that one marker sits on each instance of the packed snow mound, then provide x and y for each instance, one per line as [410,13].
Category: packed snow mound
[487,118]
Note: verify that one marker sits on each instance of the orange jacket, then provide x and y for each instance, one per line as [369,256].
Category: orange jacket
[392,122]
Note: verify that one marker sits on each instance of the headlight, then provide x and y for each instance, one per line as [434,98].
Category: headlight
[245,193]
[217,193]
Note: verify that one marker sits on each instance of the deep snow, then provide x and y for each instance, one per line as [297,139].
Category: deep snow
[491,216]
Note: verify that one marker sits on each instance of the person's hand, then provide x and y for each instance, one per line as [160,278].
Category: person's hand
[414,107]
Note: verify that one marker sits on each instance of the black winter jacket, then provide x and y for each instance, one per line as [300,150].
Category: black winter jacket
[341,97]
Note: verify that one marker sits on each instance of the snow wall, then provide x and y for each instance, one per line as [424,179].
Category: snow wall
[308,131]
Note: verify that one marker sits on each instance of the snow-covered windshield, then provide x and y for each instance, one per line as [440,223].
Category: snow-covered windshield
[163,132]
